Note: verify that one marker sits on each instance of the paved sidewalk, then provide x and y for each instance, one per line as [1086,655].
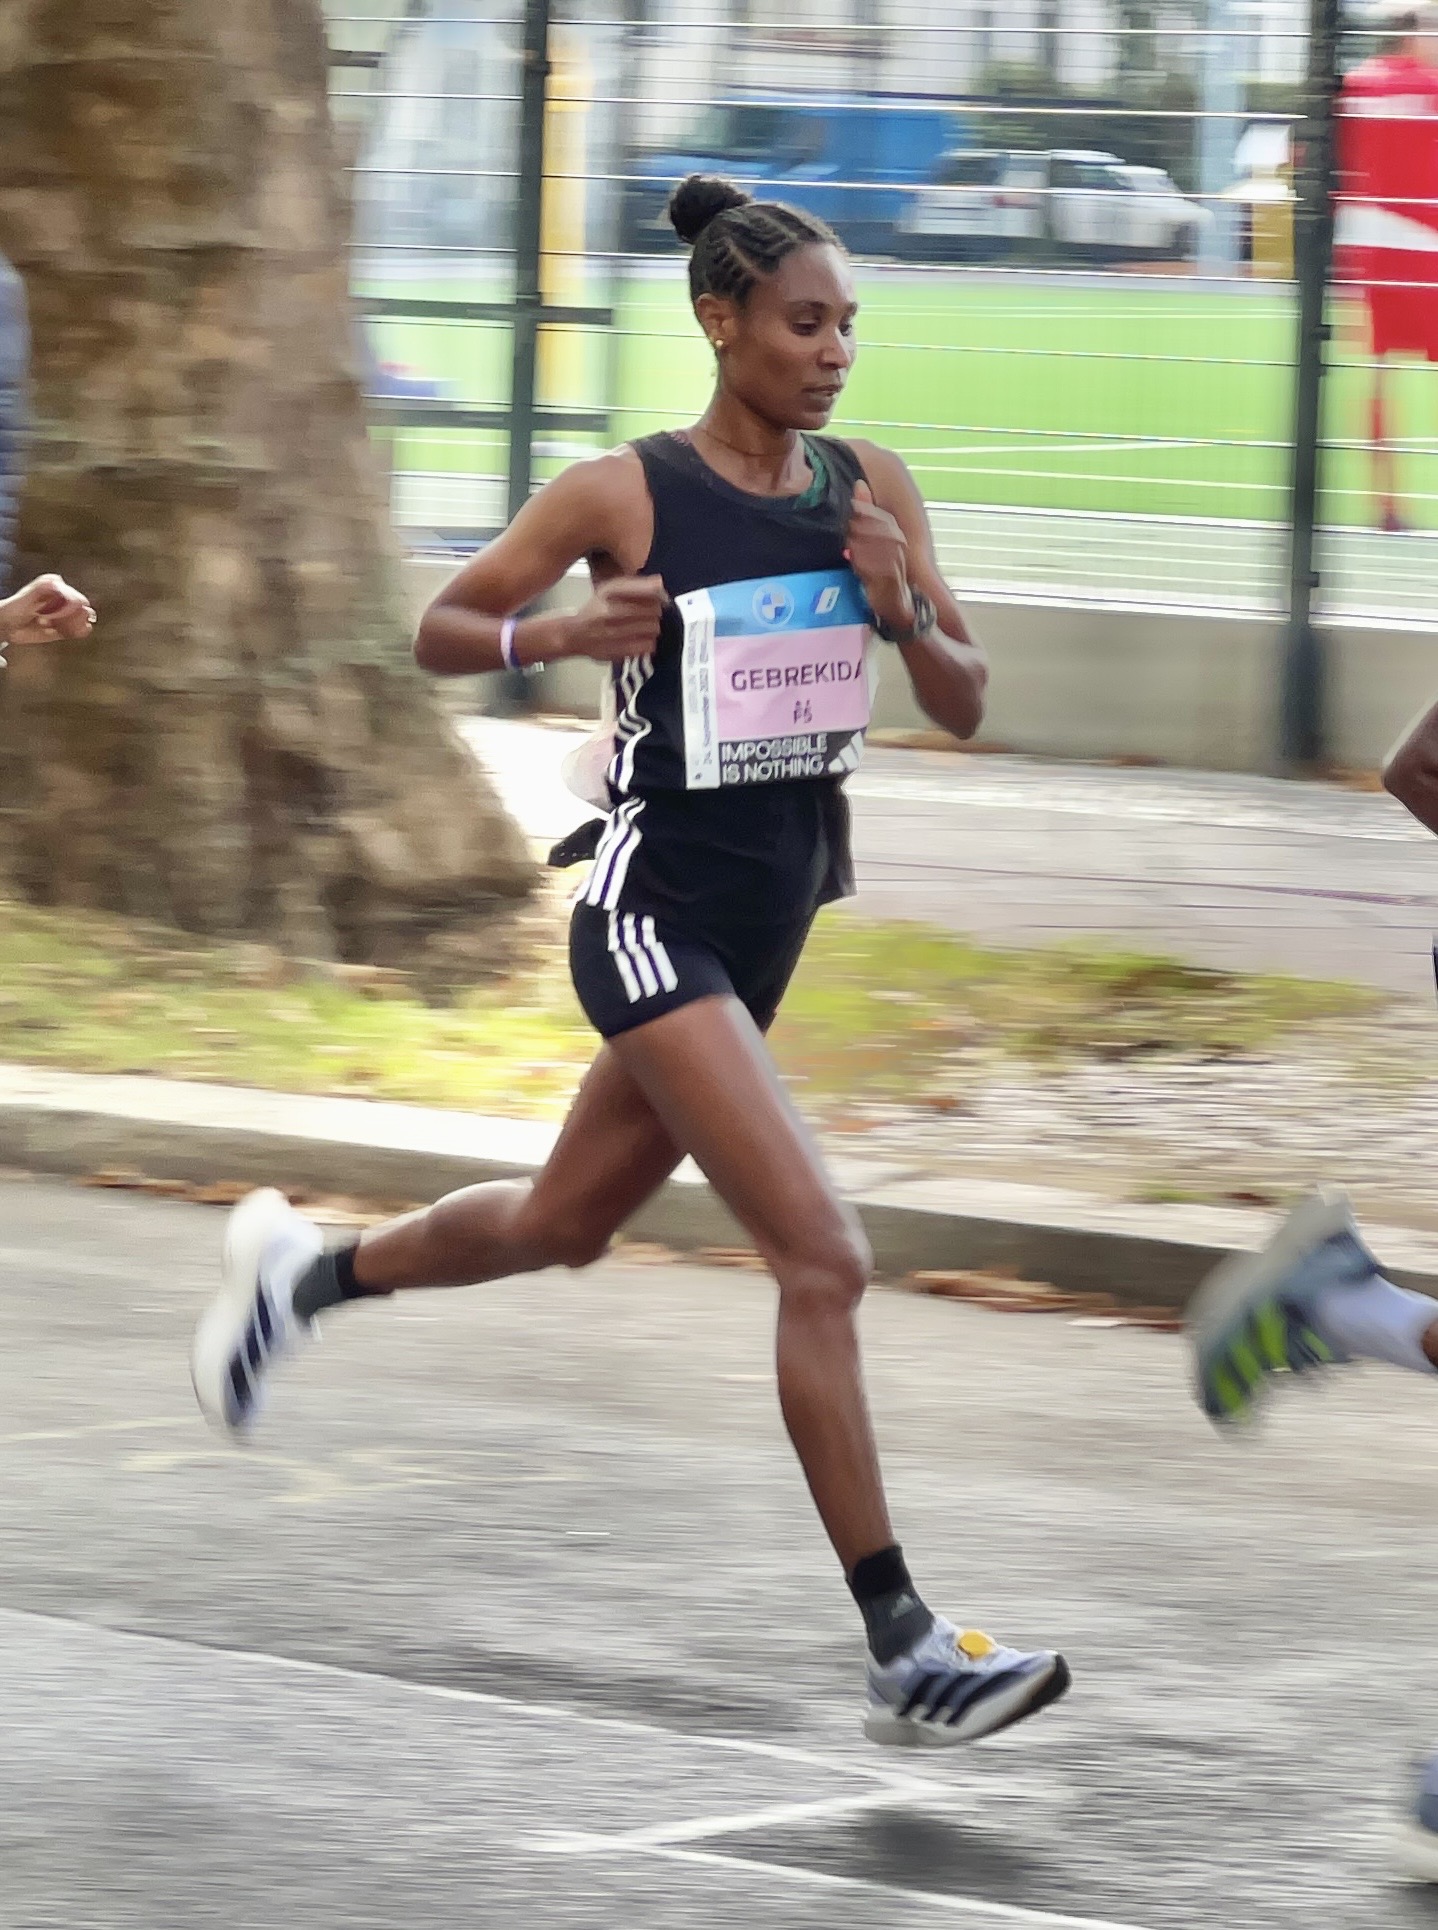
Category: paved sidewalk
[918,1218]
[1244,872]
[1047,1171]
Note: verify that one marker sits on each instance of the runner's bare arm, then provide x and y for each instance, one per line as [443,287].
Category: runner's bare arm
[596,509]
[1410,770]
[948,670]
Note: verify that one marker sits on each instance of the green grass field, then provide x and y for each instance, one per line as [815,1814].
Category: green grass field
[1129,398]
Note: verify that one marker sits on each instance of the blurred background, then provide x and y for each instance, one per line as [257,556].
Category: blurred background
[1122,977]
[1076,228]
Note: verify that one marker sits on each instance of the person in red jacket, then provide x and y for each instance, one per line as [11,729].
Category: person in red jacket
[1386,234]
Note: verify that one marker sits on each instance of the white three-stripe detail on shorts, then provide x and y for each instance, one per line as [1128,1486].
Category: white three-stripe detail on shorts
[622,964]
[663,964]
[640,957]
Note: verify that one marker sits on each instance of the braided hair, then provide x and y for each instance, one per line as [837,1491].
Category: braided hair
[736,240]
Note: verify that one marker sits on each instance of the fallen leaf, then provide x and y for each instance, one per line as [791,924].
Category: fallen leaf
[742,1258]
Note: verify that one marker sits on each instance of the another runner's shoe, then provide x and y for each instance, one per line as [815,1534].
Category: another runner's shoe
[1417,1846]
[251,1321]
[957,1687]
[1257,1315]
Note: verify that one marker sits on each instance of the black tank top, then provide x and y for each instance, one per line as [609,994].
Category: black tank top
[733,738]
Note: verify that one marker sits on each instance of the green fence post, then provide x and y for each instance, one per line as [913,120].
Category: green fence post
[528,293]
[529,201]
[1302,695]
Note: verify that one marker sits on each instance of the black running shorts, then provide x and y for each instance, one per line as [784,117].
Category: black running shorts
[629,967]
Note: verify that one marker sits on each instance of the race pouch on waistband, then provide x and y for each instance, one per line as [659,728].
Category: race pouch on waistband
[777,679]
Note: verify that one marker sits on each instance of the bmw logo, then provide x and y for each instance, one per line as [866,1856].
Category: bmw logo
[773,605]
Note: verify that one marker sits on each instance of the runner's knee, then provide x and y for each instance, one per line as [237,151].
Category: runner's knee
[572,1240]
[830,1274]
[578,1246]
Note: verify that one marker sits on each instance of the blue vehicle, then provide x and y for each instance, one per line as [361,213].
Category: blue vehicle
[854,160]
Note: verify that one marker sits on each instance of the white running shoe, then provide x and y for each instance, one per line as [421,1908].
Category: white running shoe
[251,1321]
[958,1686]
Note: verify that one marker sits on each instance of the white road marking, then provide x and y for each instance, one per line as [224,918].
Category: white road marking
[978,1908]
[701,1828]
[356,1471]
[97,1427]
[487,1699]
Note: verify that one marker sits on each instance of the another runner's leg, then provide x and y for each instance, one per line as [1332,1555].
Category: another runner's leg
[706,1072]
[1314,1297]
[611,1155]
[1385,462]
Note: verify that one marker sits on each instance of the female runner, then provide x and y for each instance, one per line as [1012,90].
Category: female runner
[738,569]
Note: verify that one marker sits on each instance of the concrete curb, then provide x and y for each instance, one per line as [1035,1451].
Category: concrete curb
[79,1125]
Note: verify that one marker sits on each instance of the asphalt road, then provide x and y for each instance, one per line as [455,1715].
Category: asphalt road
[517,1615]
[1248,873]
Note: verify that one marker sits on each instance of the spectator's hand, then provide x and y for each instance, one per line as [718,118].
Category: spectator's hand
[46,611]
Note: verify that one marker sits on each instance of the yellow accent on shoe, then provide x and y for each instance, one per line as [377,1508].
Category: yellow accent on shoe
[1272,1337]
[975,1644]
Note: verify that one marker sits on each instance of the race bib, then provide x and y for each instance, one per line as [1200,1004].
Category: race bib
[776,679]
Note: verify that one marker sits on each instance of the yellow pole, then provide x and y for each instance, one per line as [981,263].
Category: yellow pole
[1272,217]
[562,349]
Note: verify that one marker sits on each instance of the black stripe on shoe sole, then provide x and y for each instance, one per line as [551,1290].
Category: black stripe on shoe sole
[250,1357]
[971,1692]
[240,1390]
[945,1698]
[1052,1690]
[919,1694]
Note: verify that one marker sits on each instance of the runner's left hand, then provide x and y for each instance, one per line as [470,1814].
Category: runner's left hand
[46,611]
[878,553]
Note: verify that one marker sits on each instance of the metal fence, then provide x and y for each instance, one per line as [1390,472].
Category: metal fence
[1075,230]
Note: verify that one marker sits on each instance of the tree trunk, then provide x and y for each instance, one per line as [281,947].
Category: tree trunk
[246,746]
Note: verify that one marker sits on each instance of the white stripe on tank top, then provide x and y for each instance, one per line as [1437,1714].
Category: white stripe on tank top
[630,729]
[617,845]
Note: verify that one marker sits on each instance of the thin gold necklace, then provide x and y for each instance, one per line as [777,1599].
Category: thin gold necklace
[733,447]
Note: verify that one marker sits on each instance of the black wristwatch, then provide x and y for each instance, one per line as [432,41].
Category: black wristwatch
[924,619]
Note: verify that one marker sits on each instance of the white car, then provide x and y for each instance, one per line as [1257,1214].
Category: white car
[985,201]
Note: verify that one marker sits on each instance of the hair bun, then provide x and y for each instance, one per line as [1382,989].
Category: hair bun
[698,200]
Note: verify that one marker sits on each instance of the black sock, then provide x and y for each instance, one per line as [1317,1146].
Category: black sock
[327,1280]
[893,1614]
